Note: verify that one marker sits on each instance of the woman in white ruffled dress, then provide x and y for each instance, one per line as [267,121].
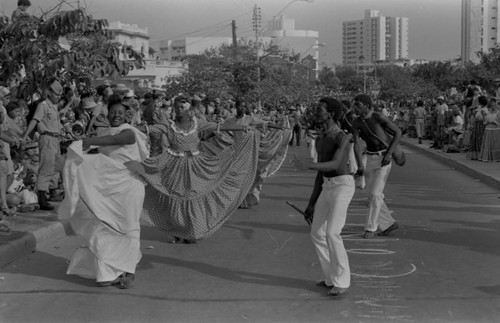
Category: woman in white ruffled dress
[103,201]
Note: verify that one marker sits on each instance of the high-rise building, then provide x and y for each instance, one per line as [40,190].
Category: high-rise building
[480,28]
[374,38]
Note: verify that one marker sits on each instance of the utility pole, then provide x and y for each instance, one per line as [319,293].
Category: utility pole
[257,22]
[235,40]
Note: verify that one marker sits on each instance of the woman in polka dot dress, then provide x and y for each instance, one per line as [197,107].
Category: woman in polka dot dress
[190,193]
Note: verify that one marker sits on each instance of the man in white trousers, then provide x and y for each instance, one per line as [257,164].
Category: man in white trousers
[372,127]
[332,193]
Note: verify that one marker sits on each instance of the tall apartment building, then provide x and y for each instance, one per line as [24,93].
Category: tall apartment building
[374,38]
[480,28]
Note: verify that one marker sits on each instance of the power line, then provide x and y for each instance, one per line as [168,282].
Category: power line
[202,38]
[205,28]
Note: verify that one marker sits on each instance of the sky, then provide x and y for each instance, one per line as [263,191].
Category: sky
[434,25]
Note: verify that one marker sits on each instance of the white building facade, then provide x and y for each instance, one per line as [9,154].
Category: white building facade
[174,50]
[480,28]
[281,30]
[131,35]
[374,38]
[156,72]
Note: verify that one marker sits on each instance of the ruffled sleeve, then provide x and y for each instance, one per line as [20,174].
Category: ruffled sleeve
[255,122]
[204,125]
[158,129]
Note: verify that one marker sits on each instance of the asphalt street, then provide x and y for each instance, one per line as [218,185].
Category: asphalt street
[440,266]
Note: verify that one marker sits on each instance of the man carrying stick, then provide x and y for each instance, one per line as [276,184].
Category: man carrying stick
[332,193]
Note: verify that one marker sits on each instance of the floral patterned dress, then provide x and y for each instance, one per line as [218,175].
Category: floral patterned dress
[190,193]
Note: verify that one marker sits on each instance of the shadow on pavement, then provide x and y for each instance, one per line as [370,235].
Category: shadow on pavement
[454,209]
[54,268]
[492,290]
[474,240]
[288,184]
[231,274]
[271,226]
[285,198]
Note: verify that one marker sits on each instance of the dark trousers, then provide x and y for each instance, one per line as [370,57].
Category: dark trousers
[296,132]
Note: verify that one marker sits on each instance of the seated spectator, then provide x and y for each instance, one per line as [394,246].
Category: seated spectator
[457,123]
[19,195]
[454,132]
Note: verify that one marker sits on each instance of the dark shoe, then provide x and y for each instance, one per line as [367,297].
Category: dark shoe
[337,291]
[171,239]
[8,212]
[420,141]
[323,284]
[109,283]
[386,232]
[56,196]
[4,228]
[127,281]
[42,201]
[369,235]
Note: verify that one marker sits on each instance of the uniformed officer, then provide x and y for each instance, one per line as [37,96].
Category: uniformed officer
[46,119]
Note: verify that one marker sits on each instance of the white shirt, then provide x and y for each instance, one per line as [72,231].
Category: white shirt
[442,108]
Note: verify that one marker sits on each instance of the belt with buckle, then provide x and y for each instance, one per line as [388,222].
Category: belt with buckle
[372,153]
[52,134]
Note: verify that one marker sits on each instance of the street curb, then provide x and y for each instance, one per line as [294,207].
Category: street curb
[488,180]
[29,242]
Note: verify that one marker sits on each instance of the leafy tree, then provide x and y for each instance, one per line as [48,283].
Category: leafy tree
[443,75]
[276,75]
[32,51]
[327,79]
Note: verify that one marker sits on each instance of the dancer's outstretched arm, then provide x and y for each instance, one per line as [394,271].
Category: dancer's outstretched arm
[126,137]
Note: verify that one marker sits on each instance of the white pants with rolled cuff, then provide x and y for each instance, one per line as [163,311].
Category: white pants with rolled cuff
[330,214]
[379,215]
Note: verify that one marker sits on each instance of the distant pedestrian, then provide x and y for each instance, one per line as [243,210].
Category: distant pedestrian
[477,131]
[441,110]
[295,124]
[420,113]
